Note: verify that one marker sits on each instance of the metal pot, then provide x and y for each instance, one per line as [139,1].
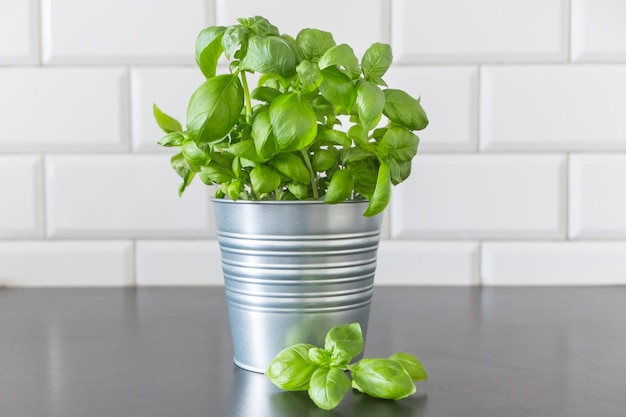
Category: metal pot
[292,270]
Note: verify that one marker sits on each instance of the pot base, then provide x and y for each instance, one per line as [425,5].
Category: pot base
[259,336]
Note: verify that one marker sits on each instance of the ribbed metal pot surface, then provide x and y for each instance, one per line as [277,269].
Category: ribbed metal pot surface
[293,270]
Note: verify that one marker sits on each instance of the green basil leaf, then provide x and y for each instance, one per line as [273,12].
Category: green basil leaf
[244,149]
[365,174]
[286,195]
[320,356]
[292,369]
[214,173]
[209,48]
[259,25]
[232,38]
[348,337]
[324,109]
[234,189]
[376,62]
[310,75]
[294,46]
[299,190]
[224,159]
[382,192]
[172,139]
[399,171]
[339,189]
[293,122]
[382,378]
[324,159]
[194,155]
[398,144]
[167,123]
[411,364]
[363,190]
[266,94]
[270,80]
[358,135]
[237,167]
[340,359]
[337,88]
[264,179]
[334,137]
[214,108]
[182,168]
[264,139]
[270,54]
[370,101]
[379,133]
[313,42]
[328,386]
[291,166]
[341,56]
[356,154]
[205,147]
[404,110]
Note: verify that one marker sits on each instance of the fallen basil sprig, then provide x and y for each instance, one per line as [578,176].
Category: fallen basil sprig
[321,372]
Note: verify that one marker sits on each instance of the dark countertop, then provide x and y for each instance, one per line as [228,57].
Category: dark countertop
[166,352]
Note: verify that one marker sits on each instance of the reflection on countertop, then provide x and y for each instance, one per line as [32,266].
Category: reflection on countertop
[253,395]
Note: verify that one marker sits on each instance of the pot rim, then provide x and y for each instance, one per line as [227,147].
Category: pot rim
[284,202]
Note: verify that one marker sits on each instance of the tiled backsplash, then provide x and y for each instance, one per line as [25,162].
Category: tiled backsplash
[519,179]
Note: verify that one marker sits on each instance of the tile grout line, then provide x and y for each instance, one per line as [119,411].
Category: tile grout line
[215,4]
[566,196]
[388,21]
[44,196]
[43,36]
[38,17]
[479,261]
[134,266]
[127,107]
[570,32]
[477,103]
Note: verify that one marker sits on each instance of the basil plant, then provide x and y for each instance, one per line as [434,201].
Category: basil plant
[319,124]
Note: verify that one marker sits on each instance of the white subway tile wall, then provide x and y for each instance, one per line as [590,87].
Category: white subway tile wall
[64,109]
[598,30]
[19,32]
[68,263]
[431,262]
[122,31]
[178,262]
[553,108]
[479,196]
[597,196]
[122,196]
[480,30]
[519,179]
[21,203]
[554,263]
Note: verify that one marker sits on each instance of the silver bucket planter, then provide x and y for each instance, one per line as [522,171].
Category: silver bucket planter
[292,270]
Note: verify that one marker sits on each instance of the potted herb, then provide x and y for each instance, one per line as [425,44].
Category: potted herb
[303,164]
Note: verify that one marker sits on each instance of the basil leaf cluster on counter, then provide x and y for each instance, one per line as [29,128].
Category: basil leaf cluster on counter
[322,372]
